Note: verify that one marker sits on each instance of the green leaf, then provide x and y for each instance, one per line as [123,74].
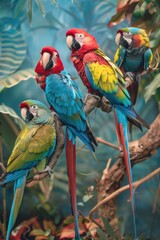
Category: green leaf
[108,228]
[151,89]
[101,234]
[121,226]
[7,110]
[41,7]
[86,198]
[29,10]
[13,47]
[19,7]
[40,232]
[117,18]
[16,78]
[10,125]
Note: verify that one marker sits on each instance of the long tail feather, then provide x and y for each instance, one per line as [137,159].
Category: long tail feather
[19,187]
[71,169]
[121,130]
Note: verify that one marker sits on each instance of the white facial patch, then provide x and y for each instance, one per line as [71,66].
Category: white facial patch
[79,37]
[128,37]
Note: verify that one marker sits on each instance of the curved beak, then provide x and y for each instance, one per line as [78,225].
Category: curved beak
[23,113]
[47,61]
[72,43]
[117,38]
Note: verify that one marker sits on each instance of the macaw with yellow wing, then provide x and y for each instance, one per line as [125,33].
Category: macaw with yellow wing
[101,76]
[133,56]
[65,98]
[34,145]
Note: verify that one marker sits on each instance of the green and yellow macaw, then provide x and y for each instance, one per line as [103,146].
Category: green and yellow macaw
[34,145]
[133,56]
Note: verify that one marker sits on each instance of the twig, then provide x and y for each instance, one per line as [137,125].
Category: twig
[101,140]
[122,189]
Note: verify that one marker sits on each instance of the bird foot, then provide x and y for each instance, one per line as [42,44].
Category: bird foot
[129,78]
[89,95]
[47,169]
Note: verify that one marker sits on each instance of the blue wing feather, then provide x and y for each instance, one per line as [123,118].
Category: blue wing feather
[65,97]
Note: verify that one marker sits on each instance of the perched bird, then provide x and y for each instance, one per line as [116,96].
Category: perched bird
[133,56]
[34,145]
[65,97]
[100,75]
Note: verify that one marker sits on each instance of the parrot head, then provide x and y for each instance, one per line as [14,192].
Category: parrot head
[49,63]
[78,40]
[34,112]
[132,36]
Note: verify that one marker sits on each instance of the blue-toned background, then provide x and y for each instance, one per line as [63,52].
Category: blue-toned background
[27,41]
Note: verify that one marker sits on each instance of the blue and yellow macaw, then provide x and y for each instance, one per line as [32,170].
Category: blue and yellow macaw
[133,56]
[101,76]
[65,98]
[34,145]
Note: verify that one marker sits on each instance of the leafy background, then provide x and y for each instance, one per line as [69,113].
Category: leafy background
[27,26]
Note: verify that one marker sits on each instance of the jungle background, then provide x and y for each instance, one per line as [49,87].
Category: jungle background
[25,27]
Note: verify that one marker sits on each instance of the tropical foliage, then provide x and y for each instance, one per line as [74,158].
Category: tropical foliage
[30,26]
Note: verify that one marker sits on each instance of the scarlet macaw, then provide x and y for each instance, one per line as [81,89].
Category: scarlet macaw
[101,76]
[65,97]
[34,145]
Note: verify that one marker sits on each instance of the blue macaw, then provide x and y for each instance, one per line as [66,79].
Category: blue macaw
[65,98]
[34,145]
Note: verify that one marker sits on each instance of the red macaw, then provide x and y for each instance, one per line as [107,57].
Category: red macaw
[100,75]
[65,97]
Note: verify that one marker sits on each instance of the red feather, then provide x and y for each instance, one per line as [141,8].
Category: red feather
[24,105]
[71,169]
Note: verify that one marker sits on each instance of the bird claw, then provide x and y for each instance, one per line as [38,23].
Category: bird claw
[129,78]
[49,170]
[89,95]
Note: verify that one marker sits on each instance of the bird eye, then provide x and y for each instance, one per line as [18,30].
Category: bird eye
[34,107]
[127,34]
[80,35]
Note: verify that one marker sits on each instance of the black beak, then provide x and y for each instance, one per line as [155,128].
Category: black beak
[123,42]
[29,116]
[49,64]
[75,45]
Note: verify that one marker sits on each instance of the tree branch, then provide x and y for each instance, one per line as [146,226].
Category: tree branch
[116,193]
[140,150]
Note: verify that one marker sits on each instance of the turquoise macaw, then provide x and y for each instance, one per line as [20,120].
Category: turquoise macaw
[65,98]
[101,76]
[34,145]
[133,56]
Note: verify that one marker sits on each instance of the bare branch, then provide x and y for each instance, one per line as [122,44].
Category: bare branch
[101,140]
[140,150]
[122,189]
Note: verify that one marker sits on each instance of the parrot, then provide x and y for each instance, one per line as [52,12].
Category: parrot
[34,145]
[99,73]
[64,96]
[133,56]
